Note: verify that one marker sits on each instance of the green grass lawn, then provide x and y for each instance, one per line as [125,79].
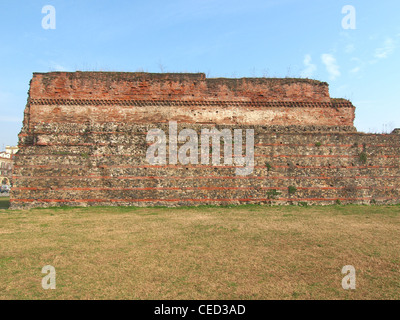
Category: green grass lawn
[244,252]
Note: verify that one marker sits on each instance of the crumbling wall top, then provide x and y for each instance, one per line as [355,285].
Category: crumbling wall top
[173,86]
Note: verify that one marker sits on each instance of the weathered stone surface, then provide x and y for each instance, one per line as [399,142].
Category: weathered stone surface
[172,86]
[84,143]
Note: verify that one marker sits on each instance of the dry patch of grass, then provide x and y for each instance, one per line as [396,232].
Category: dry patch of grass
[244,252]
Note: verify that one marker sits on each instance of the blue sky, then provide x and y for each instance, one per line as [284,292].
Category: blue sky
[285,38]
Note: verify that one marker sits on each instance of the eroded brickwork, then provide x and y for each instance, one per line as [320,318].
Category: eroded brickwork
[84,143]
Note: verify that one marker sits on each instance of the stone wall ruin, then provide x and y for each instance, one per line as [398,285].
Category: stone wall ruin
[83,142]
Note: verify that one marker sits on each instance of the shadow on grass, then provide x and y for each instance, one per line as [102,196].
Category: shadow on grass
[347,209]
[4,202]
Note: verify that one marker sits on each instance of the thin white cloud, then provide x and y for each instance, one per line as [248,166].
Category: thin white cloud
[359,65]
[54,66]
[331,65]
[310,69]
[355,70]
[387,49]
[349,48]
[10,119]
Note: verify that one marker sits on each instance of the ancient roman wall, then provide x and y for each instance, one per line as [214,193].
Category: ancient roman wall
[84,143]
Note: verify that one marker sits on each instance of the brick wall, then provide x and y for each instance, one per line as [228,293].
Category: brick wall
[84,143]
[172,86]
